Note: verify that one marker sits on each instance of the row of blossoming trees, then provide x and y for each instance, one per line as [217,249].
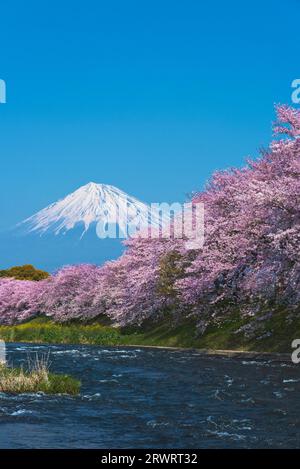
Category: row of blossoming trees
[250,257]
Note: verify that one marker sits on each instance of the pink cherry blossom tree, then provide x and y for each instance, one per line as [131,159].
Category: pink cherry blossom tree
[19,300]
[251,254]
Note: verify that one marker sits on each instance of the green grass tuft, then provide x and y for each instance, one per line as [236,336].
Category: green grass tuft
[36,379]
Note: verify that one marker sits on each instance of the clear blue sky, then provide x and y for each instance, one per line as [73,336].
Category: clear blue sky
[148,96]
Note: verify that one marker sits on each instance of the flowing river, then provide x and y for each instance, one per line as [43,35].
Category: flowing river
[155,398]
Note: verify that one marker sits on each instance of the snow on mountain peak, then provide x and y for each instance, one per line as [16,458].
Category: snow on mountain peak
[91,203]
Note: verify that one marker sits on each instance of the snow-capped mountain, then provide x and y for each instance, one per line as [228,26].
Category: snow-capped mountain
[91,204]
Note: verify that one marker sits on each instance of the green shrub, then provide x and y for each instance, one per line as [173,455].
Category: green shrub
[24,272]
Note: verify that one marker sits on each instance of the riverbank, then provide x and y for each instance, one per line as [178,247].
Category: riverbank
[233,335]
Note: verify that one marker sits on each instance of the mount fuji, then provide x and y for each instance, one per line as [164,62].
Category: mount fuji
[87,206]
[65,231]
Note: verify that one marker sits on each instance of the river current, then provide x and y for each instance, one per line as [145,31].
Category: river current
[155,398]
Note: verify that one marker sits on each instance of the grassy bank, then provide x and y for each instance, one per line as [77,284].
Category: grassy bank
[273,334]
[17,380]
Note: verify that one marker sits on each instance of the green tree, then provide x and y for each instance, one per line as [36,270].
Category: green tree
[24,272]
